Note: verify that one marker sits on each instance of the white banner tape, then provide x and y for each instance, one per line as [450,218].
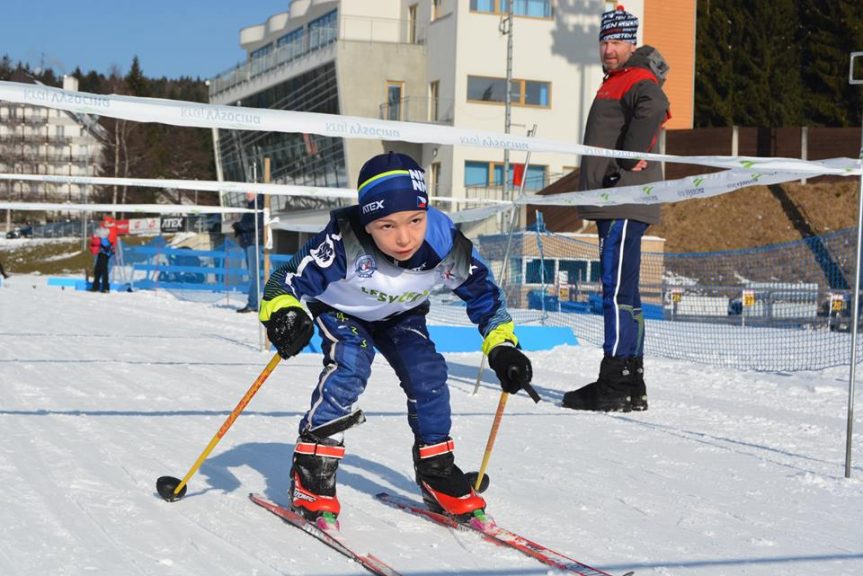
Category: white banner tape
[192,114]
[133,208]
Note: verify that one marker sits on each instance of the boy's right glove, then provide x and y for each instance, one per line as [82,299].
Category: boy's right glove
[289,329]
[513,369]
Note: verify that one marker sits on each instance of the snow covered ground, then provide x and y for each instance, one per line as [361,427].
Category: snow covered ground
[728,472]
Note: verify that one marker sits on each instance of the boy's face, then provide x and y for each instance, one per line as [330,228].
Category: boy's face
[400,234]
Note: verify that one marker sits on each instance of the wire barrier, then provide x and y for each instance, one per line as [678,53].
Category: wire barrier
[782,307]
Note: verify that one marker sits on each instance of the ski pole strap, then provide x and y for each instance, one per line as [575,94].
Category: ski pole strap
[433,450]
[323,450]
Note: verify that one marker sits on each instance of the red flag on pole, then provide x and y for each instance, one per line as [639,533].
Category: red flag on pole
[517,174]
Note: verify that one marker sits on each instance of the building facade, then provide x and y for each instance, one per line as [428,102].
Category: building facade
[37,140]
[433,61]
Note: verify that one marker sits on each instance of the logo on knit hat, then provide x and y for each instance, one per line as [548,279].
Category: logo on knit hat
[618,24]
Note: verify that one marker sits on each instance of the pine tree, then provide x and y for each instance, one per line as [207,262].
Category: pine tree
[713,70]
[832,30]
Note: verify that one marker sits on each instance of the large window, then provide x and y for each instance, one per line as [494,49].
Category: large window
[261,52]
[292,42]
[322,30]
[544,271]
[532,8]
[522,92]
[491,174]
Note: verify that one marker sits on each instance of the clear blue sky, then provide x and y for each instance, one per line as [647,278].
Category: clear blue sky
[197,38]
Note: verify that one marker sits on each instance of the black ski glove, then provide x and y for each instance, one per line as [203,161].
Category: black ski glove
[513,369]
[289,329]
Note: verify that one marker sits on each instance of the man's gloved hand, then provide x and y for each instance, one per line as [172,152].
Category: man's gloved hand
[289,329]
[513,369]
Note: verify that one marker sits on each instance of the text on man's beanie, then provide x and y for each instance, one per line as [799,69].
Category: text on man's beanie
[618,24]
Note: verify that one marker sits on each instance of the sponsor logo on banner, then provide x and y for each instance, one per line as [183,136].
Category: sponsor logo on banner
[47,97]
[221,114]
[172,223]
[144,225]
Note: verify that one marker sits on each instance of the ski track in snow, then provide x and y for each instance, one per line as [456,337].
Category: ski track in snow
[728,472]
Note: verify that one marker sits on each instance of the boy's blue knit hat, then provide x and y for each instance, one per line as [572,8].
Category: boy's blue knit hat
[389,183]
[618,24]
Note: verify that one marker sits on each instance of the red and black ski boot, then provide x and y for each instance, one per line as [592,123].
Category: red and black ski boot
[313,480]
[445,488]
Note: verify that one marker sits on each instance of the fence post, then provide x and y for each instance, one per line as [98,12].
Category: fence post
[804,146]
[735,140]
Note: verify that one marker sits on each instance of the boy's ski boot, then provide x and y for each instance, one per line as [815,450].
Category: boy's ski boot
[313,480]
[445,488]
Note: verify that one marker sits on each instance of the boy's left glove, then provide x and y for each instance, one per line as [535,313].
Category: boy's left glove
[289,329]
[513,369]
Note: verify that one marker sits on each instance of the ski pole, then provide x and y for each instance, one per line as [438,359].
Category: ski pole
[481,479]
[171,488]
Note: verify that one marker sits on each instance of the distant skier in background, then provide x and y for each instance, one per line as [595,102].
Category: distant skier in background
[101,281]
[245,231]
[366,280]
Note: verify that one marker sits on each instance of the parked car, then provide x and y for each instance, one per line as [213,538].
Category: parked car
[20,232]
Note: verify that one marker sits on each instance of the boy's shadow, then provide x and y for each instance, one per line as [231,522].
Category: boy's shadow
[273,461]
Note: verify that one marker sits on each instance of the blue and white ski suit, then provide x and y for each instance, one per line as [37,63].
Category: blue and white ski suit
[363,300]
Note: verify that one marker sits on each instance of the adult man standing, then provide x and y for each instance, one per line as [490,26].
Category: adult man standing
[627,113]
[250,235]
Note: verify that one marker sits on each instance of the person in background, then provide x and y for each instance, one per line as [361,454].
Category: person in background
[2,271]
[245,231]
[627,114]
[101,280]
[366,279]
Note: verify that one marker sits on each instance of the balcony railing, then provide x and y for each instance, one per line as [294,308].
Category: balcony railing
[412,109]
[353,28]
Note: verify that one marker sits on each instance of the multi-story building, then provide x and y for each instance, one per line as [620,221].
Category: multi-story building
[37,140]
[434,61]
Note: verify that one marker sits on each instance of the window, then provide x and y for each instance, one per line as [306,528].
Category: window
[434,96]
[435,178]
[577,270]
[523,92]
[476,173]
[261,52]
[292,43]
[394,100]
[491,174]
[322,30]
[531,8]
[539,271]
[437,9]
[412,24]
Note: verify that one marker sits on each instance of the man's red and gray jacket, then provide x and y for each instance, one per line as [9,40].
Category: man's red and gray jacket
[627,113]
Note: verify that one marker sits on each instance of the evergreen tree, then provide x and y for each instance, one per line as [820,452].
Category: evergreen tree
[767,85]
[713,70]
[832,30]
[136,83]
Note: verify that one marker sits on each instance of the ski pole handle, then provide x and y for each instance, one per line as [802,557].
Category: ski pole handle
[492,435]
[241,405]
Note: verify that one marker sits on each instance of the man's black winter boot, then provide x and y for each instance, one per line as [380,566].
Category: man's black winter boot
[639,390]
[610,393]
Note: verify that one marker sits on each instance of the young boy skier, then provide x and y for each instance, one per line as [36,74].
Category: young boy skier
[366,279]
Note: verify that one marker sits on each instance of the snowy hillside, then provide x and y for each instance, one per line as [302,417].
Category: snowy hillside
[727,473]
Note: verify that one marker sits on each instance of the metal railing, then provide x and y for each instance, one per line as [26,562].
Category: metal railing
[355,28]
[416,109]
